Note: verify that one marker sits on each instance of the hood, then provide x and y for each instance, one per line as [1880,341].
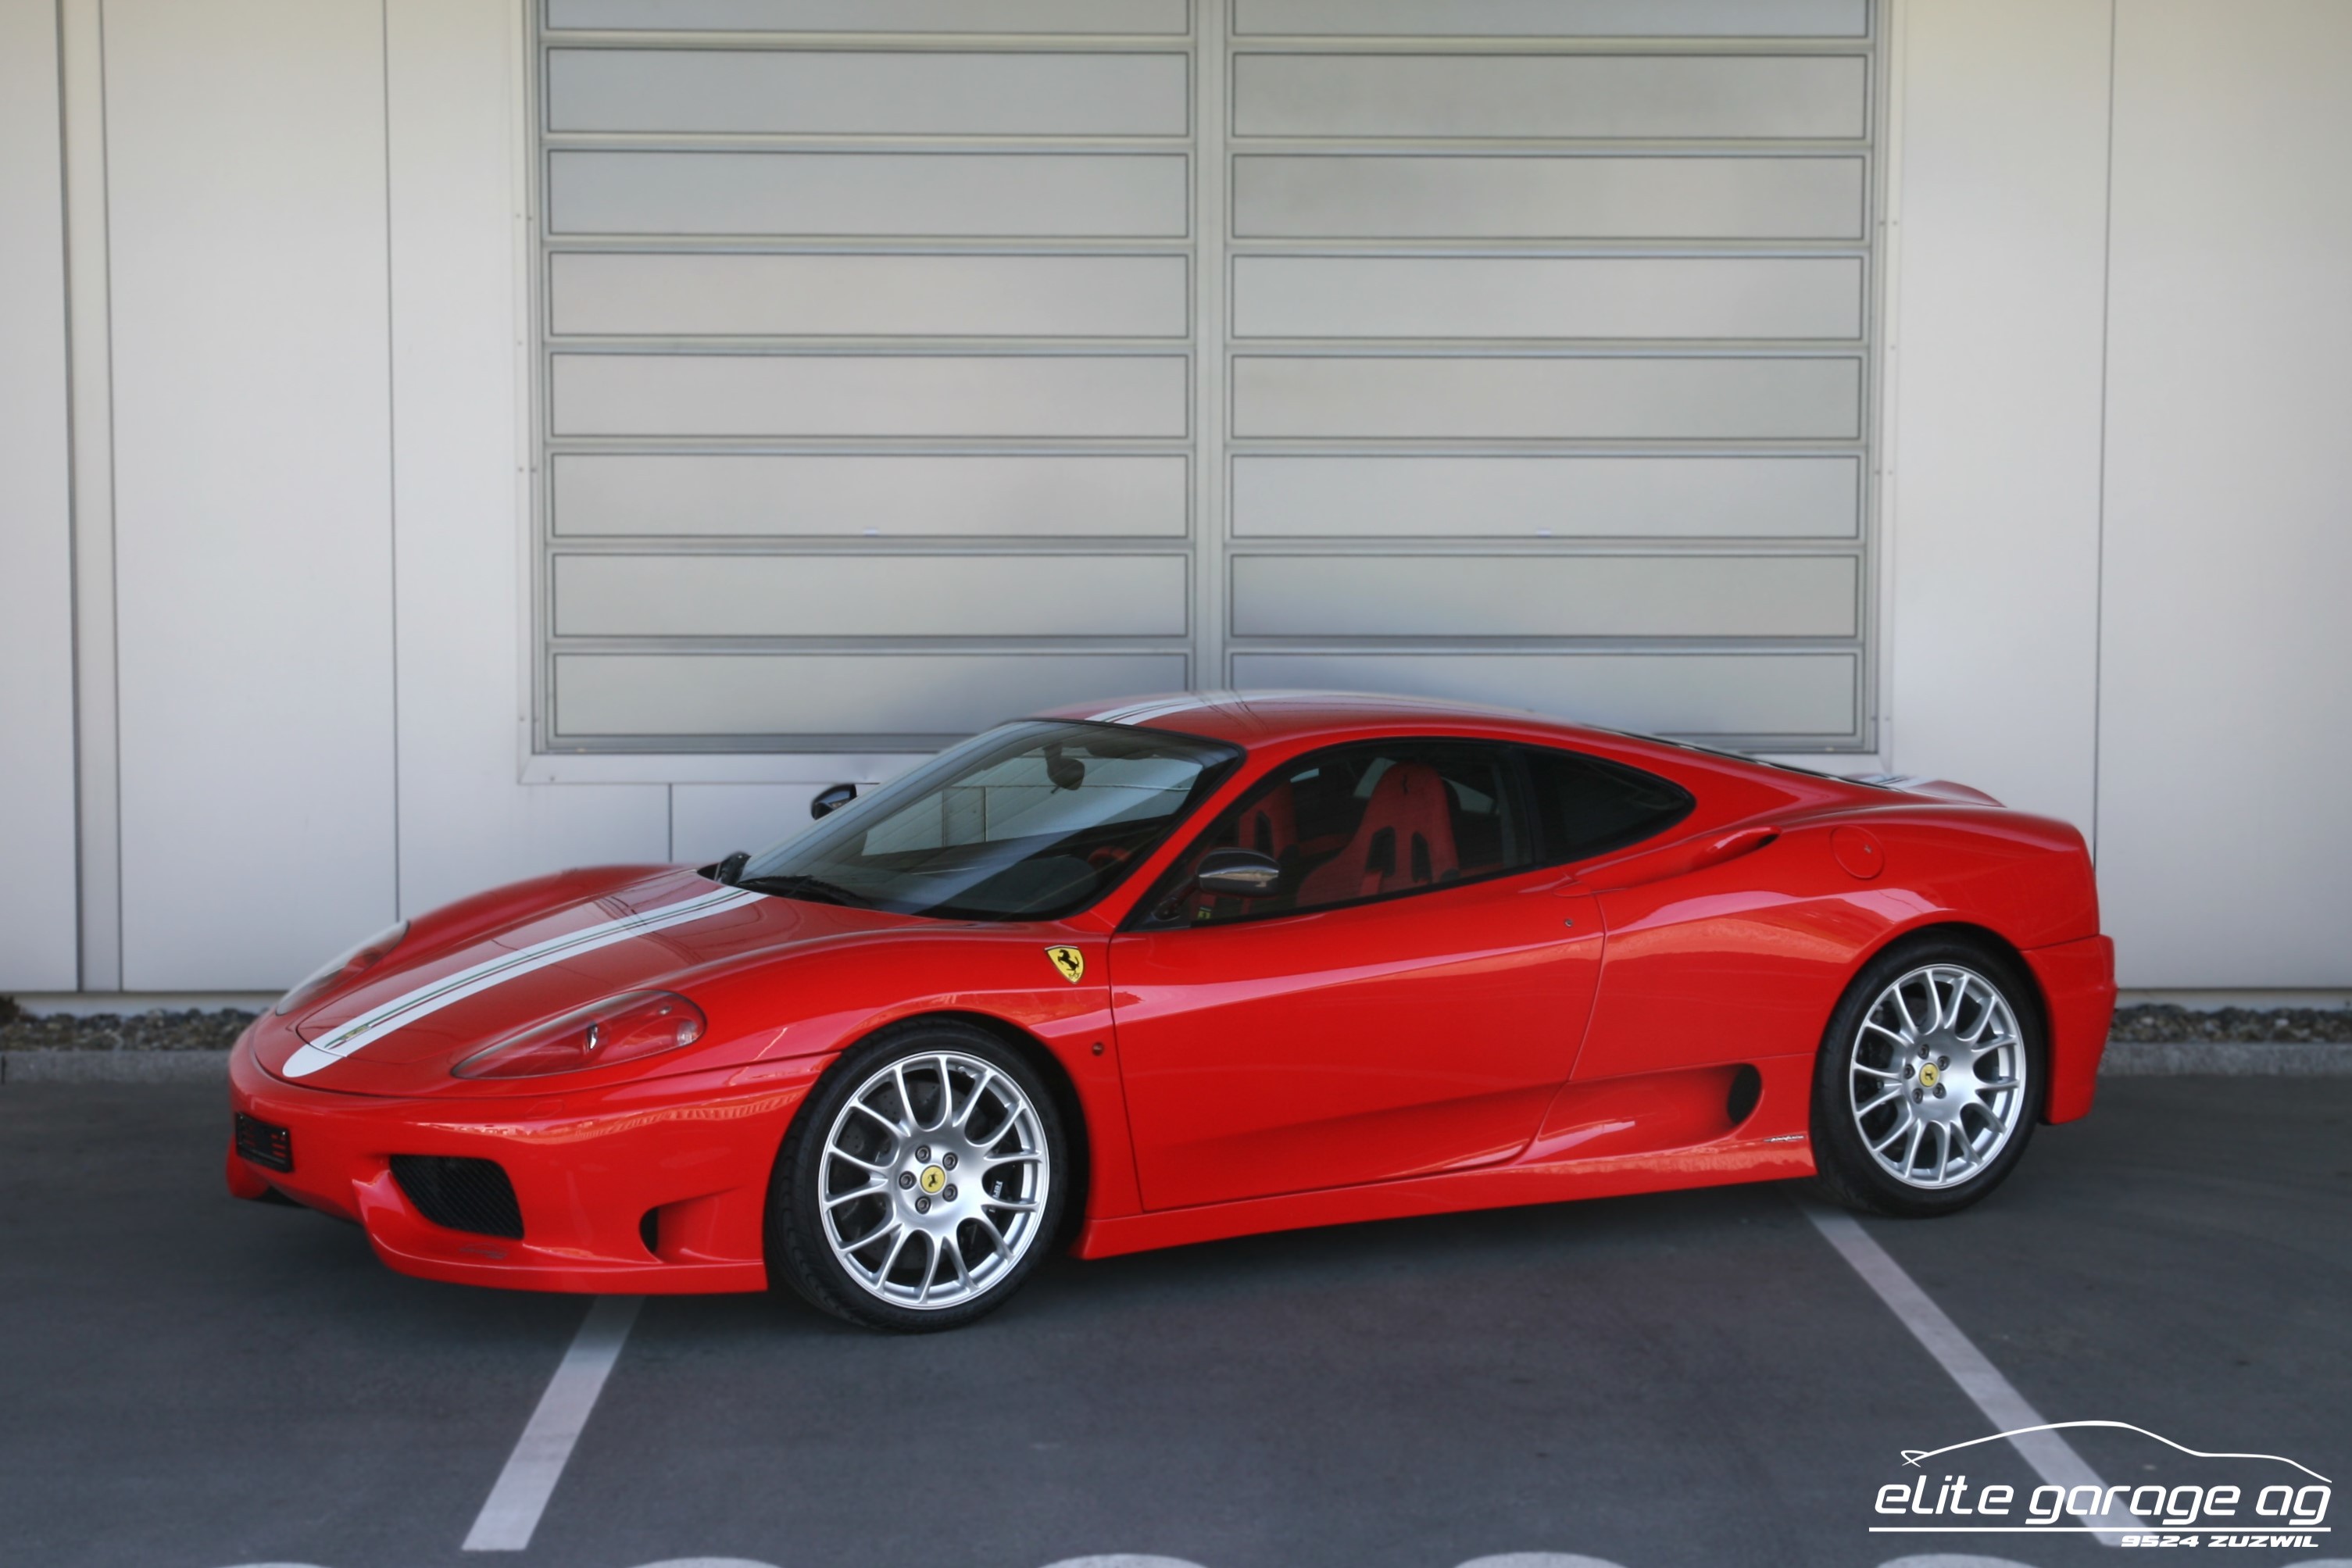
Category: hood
[452,988]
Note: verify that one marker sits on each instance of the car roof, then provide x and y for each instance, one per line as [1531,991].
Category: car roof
[1258,717]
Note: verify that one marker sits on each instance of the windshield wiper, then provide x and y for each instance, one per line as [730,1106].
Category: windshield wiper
[815,889]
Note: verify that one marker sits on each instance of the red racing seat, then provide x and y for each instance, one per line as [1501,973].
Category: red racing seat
[1405,839]
[1270,826]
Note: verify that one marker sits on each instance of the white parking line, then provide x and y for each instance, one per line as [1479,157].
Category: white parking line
[508,1519]
[2052,1457]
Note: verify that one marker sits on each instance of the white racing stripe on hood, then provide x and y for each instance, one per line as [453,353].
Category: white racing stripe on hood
[432,996]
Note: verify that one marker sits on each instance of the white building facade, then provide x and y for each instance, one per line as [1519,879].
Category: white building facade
[443,441]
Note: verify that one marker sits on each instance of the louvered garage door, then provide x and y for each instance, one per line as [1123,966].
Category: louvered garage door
[911,363]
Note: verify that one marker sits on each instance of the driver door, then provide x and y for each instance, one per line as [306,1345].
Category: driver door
[1405,1002]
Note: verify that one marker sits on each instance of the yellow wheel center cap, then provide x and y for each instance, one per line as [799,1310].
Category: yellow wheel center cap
[1929,1073]
[932,1179]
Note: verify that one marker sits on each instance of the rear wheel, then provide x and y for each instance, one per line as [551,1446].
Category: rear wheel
[922,1182]
[1929,1080]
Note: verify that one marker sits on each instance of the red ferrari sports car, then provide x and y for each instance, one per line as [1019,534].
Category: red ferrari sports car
[1185,968]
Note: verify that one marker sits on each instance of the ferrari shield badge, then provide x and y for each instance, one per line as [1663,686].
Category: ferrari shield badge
[1070,961]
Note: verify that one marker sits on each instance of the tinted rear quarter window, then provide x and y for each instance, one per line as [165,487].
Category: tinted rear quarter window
[1586,806]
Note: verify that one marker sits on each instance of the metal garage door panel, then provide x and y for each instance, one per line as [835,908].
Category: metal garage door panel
[1152,16]
[868,596]
[942,194]
[1609,399]
[1558,18]
[782,495]
[1607,96]
[814,698]
[686,295]
[1543,596]
[859,394]
[1369,496]
[1793,696]
[1548,297]
[842,92]
[1446,196]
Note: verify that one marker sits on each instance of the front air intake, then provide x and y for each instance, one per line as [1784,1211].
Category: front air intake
[265,1143]
[460,1194]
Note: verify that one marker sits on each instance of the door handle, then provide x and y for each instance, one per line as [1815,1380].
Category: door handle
[1734,844]
[1678,859]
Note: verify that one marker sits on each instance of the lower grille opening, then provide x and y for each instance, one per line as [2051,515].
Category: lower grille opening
[265,1143]
[458,1193]
[649,1231]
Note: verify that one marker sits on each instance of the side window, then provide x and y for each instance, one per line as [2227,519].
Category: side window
[1585,806]
[1357,823]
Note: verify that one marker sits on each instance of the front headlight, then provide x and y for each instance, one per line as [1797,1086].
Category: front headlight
[619,1029]
[348,965]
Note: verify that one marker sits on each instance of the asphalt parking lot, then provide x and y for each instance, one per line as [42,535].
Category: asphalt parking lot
[1690,1379]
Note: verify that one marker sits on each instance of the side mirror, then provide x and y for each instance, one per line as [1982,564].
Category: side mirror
[832,799]
[1237,873]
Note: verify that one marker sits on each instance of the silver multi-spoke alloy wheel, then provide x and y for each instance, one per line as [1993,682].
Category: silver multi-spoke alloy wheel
[1936,1076]
[934,1180]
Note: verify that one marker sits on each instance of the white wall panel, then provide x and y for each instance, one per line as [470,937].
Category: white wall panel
[807,494]
[1007,195]
[876,16]
[1567,18]
[710,822]
[1383,496]
[1544,596]
[2226,707]
[863,395]
[462,517]
[919,699]
[869,596]
[1555,398]
[1996,503]
[1604,96]
[844,92]
[38,944]
[624,294]
[246,170]
[1448,196]
[1546,296]
[1698,694]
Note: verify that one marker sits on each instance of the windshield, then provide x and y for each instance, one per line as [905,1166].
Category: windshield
[1029,822]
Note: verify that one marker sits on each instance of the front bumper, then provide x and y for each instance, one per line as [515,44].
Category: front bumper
[695,1150]
[2078,987]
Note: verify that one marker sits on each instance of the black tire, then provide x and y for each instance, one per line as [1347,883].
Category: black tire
[1848,1173]
[802,1252]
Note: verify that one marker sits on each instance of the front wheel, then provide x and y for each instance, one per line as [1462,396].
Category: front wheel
[1925,1093]
[922,1182]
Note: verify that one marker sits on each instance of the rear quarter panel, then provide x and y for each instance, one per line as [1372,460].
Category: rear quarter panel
[1745,960]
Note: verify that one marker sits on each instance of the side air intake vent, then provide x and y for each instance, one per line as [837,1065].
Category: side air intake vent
[460,1194]
[1747,1088]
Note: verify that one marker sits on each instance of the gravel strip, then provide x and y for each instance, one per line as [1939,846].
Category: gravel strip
[2170,1024]
[2227,1059]
[2147,1041]
[184,1030]
[2124,1059]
